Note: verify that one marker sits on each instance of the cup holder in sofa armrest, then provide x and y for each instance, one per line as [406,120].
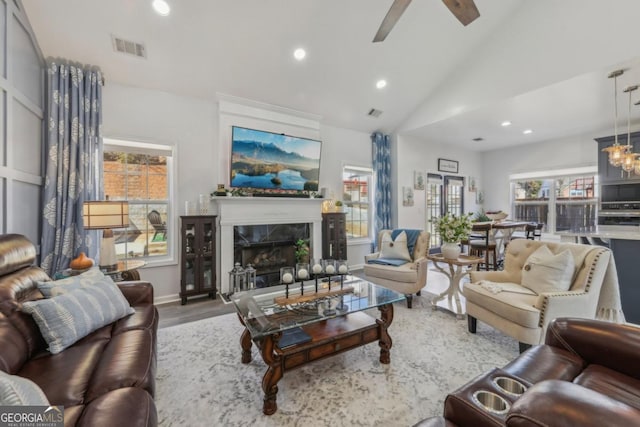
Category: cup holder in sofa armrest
[491,402]
[510,386]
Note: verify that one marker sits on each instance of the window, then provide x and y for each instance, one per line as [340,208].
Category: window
[566,201]
[356,183]
[141,174]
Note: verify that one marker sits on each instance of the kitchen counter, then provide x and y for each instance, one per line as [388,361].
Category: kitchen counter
[624,232]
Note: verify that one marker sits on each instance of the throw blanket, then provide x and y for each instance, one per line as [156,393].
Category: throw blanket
[388,261]
[609,305]
[412,238]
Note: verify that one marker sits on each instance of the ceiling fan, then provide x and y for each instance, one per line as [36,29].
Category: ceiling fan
[465,10]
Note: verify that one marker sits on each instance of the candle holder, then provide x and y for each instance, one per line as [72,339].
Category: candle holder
[286,278]
[302,274]
[316,270]
[329,267]
[343,266]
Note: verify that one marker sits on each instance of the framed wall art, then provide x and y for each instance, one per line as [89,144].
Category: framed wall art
[446,165]
[418,180]
[407,196]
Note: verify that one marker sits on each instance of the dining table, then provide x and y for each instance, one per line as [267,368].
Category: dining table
[501,232]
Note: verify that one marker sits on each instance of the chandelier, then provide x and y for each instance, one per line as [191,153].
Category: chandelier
[622,155]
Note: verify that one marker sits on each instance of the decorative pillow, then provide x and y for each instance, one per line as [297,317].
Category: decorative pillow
[15,390]
[66,318]
[394,249]
[62,286]
[545,272]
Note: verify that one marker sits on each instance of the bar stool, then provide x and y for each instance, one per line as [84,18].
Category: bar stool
[484,248]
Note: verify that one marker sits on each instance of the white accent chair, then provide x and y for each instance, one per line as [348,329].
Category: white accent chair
[525,316]
[409,278]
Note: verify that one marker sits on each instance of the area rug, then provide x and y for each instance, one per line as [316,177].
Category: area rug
[201,382]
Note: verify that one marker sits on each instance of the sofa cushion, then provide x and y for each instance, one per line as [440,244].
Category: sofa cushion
[16,252]
[15,390]
[404,273]
[395,248]
[66,318]
[545,271]
[611,383]
[544,362]
[517,307]
[65,377]
[131,407]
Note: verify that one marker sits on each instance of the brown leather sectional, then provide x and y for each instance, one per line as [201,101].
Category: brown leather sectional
[106,378]
[586,374]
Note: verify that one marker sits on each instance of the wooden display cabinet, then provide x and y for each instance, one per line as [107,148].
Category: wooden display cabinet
[334,235]
[197,256]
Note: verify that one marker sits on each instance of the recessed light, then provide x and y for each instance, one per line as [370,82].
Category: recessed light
[299,54]
[381,83]
[161,7]
[527,131]
[505,123]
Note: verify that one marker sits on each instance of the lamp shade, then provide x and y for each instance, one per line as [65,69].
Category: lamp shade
[98,215]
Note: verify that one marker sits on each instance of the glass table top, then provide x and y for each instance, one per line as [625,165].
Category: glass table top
[262,315]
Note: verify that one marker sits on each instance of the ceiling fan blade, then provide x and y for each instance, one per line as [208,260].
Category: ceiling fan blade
[395,12]
[465,10]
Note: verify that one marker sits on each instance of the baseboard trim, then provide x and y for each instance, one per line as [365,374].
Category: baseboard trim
[166,299]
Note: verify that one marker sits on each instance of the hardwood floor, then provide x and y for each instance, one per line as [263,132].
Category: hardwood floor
[174,313]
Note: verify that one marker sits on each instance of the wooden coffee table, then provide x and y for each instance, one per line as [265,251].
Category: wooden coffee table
[458,268]
[331,325]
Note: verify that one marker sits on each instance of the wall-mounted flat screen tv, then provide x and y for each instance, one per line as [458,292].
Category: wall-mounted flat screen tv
[267,160]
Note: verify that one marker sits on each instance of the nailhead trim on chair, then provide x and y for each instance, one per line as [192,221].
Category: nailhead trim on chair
[587,286]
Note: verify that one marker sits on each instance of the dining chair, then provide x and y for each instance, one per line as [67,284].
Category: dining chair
[485,247]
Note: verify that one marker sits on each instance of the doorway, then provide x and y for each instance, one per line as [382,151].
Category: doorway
[444,195]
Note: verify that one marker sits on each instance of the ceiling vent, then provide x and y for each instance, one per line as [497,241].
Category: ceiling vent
[478,139]
[374,113]
[128,47]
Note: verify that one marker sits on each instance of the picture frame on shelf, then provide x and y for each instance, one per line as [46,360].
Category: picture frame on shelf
[447,165]
[418,180]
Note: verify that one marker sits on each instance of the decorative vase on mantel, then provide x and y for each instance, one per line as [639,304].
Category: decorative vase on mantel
[450,250]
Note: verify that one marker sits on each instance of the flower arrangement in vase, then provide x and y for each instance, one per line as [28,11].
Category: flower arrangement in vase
[452,230]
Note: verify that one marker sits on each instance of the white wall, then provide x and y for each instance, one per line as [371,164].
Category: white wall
[345,147]
[414,154]
[202,139]
[497,165]
[188,123]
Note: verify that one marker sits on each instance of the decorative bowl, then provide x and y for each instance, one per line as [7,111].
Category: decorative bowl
[497,216]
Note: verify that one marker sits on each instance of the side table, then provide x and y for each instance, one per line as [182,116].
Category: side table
[126,270]
[458,268]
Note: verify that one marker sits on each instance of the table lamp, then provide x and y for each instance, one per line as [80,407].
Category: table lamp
[106,215]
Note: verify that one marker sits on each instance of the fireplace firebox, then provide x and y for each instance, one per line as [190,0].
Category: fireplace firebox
[268,247]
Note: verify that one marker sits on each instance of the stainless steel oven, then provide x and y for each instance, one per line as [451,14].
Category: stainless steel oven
[619,204]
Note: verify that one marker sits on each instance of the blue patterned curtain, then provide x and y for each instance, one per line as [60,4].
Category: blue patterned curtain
[73,162]
[382,175]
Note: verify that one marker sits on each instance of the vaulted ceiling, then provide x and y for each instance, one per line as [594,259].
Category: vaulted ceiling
[540,64]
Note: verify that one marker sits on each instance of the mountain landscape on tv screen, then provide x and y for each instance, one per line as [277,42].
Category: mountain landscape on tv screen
[264,165]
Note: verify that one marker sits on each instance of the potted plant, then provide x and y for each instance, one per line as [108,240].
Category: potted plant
[452,230]
[302,251]
[339,206]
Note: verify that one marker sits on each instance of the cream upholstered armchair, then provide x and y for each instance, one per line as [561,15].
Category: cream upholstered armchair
[408,278]
[500,299]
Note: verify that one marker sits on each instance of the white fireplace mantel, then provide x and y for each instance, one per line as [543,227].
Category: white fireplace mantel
[233,211]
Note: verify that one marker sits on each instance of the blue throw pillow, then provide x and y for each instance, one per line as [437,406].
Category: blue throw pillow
[67,318]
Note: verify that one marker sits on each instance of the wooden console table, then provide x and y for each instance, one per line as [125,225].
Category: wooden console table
[330,331]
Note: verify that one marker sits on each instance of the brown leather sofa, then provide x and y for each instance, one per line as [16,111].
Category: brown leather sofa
[105,379]
[586,374]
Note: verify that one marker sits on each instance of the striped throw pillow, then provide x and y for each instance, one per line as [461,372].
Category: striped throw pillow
[67,318]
